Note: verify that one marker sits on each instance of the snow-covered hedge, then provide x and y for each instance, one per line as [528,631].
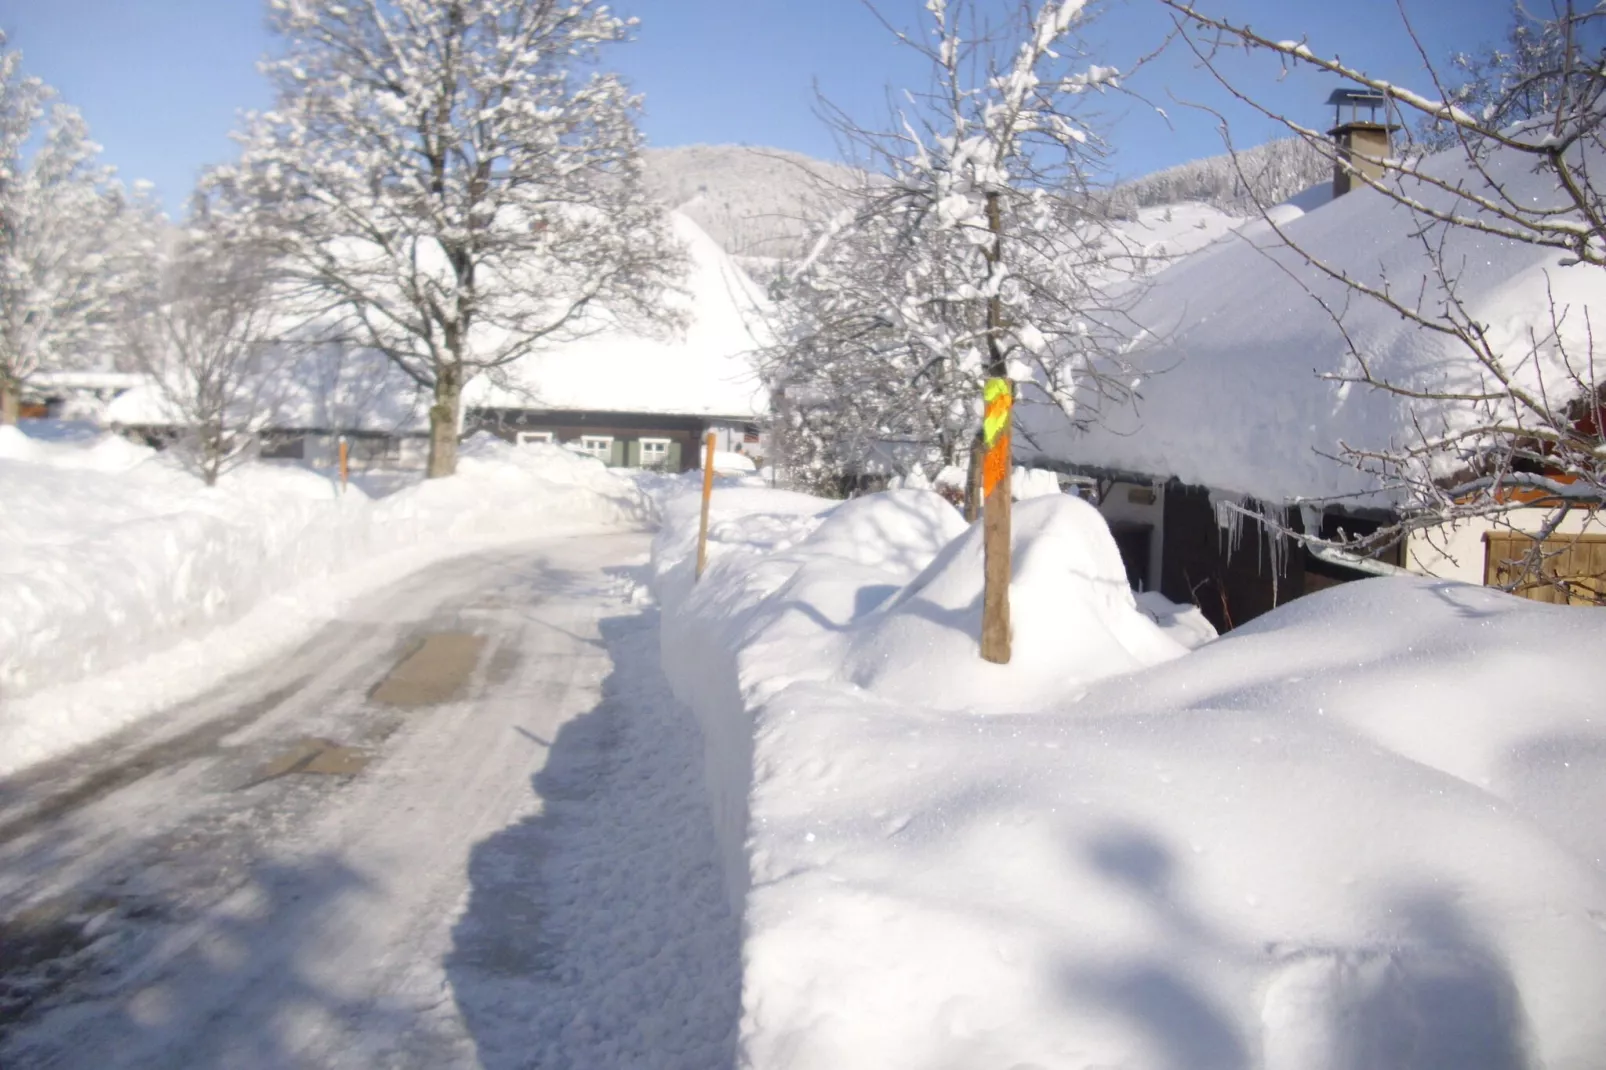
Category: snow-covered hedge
[109,552]
[1361,832]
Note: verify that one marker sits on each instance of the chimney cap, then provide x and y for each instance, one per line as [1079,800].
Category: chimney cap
[1361,97]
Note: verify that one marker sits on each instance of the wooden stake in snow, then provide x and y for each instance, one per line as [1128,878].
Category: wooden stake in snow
[345,471]
[708,494]
[995,635]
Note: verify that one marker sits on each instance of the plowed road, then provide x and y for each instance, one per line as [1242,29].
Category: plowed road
[463,826]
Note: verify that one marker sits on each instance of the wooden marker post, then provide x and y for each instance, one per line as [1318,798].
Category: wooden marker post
[708,494]
[345,471]
[999,395]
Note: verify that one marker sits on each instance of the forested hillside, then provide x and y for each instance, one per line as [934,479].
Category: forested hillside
[1274,171]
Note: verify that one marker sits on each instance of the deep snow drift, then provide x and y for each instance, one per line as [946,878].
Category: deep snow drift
[110,553]
[1362,832]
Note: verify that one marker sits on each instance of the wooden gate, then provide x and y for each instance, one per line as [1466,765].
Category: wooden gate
[1579,560]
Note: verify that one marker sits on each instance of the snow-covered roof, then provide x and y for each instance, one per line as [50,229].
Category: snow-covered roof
[84,380]
[324,389]
[702,369]
[1160,235]
[1229,387]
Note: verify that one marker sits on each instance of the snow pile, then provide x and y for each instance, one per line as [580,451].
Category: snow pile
[69,446]
[1186,624]
[883,591]
[733,463]
[1033,483]
[507,491]
[1074,619]
[1359,832]
[110,553]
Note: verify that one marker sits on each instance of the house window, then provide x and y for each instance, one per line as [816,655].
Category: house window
[654,452]
[281,447]
[599,446]
[527,437]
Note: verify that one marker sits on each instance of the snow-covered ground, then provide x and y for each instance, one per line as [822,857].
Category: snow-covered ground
[111,554]
[1361,832]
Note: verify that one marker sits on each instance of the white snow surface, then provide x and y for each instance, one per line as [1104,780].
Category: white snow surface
[733,463]
[110,553]
[1159,236]
[702,368]
[1033,483]
[1232,347]
[1360,832]
[877,591]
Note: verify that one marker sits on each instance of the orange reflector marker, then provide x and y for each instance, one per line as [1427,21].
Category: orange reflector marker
[1000,398]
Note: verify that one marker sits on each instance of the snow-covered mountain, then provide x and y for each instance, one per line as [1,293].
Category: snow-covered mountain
[758,203]
[755,202]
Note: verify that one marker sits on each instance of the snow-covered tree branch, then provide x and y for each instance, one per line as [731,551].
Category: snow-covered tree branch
[1516,423]
[973,247]
[456,180]
[73,243]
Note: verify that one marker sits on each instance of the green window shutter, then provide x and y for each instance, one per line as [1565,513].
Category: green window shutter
[633,457]
[674,456]
[616,454]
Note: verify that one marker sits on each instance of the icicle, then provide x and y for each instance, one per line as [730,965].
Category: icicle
[1277,551]
[1229,510]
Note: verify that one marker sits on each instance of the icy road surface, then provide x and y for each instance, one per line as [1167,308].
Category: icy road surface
[462,826]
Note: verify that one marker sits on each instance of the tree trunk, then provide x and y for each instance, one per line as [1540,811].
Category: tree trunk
[996,468]
[443,423]
[995,626]
[211,453]
[10,402]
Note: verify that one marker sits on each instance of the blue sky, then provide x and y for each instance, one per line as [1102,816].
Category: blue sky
[161,81]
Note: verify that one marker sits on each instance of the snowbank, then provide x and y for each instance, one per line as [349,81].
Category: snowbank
[1360,832]
[883,591]
[110,552]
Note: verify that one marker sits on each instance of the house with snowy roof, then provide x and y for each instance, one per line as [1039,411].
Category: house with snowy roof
[73,395]
[633,397]
[300,404]
[1240,393]
[624,394]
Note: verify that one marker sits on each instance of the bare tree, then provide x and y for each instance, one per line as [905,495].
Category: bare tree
[207,344]
[457,179]
[1522,428]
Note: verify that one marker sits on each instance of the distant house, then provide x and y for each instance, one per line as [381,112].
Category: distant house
[633,397]
[74,395]
[302,409]
[630,397]
[1231,408]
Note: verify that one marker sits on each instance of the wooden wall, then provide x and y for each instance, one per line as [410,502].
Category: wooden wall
[1198,566]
